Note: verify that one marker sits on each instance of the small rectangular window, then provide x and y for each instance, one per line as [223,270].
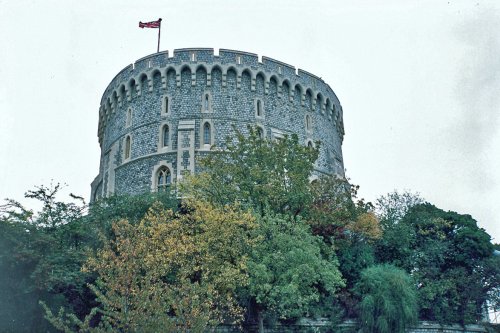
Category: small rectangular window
[238,60]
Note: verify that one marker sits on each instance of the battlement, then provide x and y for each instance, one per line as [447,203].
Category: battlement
[292,84]
[207,56]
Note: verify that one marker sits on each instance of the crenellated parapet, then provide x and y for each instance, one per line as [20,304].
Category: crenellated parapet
[292,84]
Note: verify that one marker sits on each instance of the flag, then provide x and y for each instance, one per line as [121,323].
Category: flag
[152,24]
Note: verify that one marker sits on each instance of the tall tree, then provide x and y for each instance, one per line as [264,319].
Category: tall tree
[40,258]
[288,271]
[449,256]
[261,174]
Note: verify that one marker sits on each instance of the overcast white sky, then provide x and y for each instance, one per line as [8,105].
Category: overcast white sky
[419,82]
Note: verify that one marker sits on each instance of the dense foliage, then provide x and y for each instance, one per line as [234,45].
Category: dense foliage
[171,272]
[388,299]
[254,241]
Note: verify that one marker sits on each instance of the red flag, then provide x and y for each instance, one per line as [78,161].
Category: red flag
[152,24]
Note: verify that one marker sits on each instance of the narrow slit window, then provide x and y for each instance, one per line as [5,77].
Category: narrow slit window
[127,147]
[166,104]
[259,108]
[207,140]
[238,60]
[308,123]
[166,136]
[128,120]
[193,56]
[206,102]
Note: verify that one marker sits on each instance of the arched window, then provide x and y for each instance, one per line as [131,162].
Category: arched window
[207,135]
[166,136]
[259,108]
[206,103]
[260,132]
[309,144]
[163,179]
[127,147]
[308,123]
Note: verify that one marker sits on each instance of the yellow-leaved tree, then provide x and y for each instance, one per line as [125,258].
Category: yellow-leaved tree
[171,272]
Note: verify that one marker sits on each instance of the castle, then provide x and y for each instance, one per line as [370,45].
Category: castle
[158,115]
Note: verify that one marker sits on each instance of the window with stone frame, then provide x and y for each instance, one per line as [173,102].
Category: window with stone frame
[260,132]
[165,136]
[259,112]
[207,134]
[206,103]
[128,118]
[308,123]
[166,105]
[163,179]
[128,147]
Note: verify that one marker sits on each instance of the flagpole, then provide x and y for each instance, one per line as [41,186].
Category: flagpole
[159,29]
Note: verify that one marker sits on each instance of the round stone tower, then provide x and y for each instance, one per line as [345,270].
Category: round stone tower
[158,114]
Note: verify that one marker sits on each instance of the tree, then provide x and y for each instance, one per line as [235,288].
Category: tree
[395,245]
[40,258]
[172,271]
[332,208]
[388,300]
[349,225]
[288,271]
[261,174]
[392,207]
[449,256]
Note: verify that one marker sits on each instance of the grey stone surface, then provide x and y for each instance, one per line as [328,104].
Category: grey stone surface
[234,81]
[349,326]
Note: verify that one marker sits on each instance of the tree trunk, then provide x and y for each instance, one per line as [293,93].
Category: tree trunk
[261,321]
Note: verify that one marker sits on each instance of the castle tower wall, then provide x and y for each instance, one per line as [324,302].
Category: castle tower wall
[160,113]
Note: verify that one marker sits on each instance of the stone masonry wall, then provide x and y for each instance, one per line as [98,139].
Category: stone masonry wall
[221,90]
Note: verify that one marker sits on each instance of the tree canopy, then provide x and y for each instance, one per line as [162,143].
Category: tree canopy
[257,236]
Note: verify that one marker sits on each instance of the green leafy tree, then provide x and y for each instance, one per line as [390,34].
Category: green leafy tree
[449,256]
[288,272]
[388,300]
[261,174]
[392,207]
[40,258]
[398,239]
[348,224]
